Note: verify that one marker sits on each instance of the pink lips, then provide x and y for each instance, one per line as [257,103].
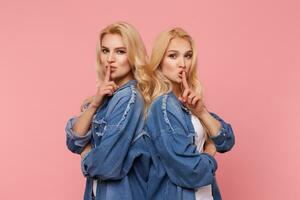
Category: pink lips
[113,68]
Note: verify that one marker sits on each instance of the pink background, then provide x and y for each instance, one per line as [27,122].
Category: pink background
[249,64]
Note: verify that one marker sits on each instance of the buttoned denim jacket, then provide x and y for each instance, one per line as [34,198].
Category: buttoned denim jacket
[119,159]
[178,169]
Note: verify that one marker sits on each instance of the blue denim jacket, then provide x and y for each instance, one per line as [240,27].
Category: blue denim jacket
[178,168]
[119,159]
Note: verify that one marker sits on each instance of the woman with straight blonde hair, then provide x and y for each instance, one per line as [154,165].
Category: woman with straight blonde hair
[184,135]
[108,133]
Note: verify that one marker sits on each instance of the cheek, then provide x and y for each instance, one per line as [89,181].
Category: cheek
[102,58]
[168,67]
[123,61]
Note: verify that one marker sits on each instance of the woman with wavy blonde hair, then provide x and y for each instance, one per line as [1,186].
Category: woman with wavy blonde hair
[162,84]
[108,134]
[185,136]
[137,56]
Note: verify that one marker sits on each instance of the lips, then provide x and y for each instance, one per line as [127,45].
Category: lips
[113,68]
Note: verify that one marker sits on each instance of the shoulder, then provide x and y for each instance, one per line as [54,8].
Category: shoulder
[127,96]
[166,111]
[166,105]
[166,102]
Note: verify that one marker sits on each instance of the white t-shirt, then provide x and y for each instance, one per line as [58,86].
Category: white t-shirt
[95,186]
[205,192]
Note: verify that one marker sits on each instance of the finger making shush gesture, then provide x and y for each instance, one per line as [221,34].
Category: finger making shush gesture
[106,88]
[190,98]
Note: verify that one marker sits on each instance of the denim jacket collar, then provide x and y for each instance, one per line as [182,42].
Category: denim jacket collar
[128,84]
[171,93]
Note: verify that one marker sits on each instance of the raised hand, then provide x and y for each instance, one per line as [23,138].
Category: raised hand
[106,88]
[190,99]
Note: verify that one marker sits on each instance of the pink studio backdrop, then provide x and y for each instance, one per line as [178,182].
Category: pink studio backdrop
[248,63]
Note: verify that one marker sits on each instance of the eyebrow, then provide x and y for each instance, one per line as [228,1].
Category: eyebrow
[115,48]
[189,51]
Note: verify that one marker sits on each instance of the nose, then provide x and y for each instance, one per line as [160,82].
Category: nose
[182,63]
[110,57]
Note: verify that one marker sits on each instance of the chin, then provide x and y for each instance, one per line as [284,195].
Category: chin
[114,76]
[178,81]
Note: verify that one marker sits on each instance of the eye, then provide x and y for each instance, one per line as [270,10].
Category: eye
[105,51]
[173,56]
[121,52]
[189,55]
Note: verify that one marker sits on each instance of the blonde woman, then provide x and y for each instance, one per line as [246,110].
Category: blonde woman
[184,135]
[108,133]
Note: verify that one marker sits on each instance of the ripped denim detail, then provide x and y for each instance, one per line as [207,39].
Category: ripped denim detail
[131,101]
[164,109]
[99,126]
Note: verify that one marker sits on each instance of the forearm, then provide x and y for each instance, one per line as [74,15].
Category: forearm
[83,122]
[212,124]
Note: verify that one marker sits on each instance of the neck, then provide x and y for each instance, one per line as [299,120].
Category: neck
[120,82]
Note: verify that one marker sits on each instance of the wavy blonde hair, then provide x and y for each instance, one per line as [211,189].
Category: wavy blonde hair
[137,55]
[160,84]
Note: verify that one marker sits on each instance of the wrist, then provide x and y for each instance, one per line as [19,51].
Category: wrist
[210,153]
[202,114]
[94,104]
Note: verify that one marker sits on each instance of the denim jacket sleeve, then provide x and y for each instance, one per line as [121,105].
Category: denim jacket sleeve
[225,140]
[185,166]
[107,160]
[76,143]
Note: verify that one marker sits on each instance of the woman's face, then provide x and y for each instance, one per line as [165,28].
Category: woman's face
[178,58]
[114,54]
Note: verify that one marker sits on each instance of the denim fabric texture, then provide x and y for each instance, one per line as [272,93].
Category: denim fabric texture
[178,169]
[119,159]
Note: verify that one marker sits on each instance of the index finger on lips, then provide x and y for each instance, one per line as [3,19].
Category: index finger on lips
[107,74]
[184,81]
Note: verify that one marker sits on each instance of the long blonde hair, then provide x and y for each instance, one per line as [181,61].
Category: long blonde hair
[137,55]
[160,84]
